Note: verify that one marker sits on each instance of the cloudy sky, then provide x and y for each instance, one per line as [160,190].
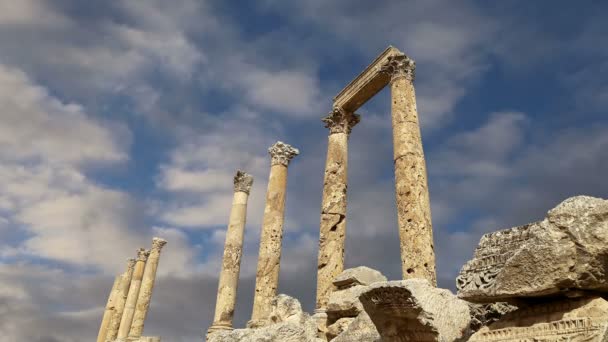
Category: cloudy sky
[122,120]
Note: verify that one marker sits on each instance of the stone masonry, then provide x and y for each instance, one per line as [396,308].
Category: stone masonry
[269,258]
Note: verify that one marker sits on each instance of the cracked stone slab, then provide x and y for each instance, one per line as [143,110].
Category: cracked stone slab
[361,275]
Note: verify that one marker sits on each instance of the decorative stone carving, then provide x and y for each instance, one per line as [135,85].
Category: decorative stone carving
[564,252]
[562,320]
[362,329]
[486,314]
[340,121]
[242,182]
[400,66]
[414,310]
[282,153]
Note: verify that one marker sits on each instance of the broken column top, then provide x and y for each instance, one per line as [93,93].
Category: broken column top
[561,255]
[242,181]
[361,275]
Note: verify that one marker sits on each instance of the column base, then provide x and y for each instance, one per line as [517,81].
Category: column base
[219,327]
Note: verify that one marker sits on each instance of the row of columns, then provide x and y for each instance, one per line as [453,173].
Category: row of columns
[412,198]
[129,300]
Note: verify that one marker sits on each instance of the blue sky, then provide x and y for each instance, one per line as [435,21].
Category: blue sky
[125,120]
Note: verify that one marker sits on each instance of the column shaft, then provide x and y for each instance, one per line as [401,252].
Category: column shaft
[267,276]
[108,311]
[333,208]
[411,186]
[129,311]
[121,298]
[145,291]
[233,251]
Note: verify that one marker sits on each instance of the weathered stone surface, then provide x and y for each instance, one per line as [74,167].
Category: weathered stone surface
[121,298]
[233,251]
[339,326]
[411,188]
[288,324]
[269,258]
[566,251]
[345,303]
[131,301]
[580,320]
[361,275]
[109,310]
[486,314]
[361,329]
[414,310]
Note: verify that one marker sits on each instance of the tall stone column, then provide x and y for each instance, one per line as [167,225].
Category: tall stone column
[145,291]
[333,208]
[108,311]
[129,311]
[412,194]
[233,251]
[267,276]
[121,298]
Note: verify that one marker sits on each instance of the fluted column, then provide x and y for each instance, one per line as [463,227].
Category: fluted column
[145,291]
[233,251]
[333,208]
[119,303]
[267,276]
[412,194]
[108,311]
[129,311]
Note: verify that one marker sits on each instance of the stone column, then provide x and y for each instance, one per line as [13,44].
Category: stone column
[233,251]
[333,207]
[412,194]
[129,311]
[145,291]
[267,276]
[119,303]
[108,311]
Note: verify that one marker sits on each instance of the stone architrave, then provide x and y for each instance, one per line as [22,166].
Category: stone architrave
[559,256]
[415,310]
[129,310]
[411,188]
[233,251]
[333,208]
[119,303]
[108,311]
[145,291]
[267,276]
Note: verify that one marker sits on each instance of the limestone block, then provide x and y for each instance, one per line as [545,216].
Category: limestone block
[288,323]
[361,275]
[345,303]
[339,326]
[414,310]
[584,319]
[362,329]
[566,251]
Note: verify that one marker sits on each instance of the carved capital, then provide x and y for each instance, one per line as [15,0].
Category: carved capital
[282,153]
[142,254]
[130,264]
[158,243]
[242,182]
[340,121]
[400,66]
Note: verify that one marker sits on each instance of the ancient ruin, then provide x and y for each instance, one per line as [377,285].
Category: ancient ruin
[543,281]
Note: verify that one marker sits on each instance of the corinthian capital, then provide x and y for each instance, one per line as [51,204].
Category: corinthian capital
[242,181]
[130,264]
[400,66]
[281,153]
[340,121]
[158,243]
[142,254]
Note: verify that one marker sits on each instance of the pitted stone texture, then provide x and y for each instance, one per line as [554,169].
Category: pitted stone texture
[361,275]
[585,319]
[361,329]
[486,314]
[411,185]
[289,324]
[345,303]
[414,310]
[121,299]
[567,251]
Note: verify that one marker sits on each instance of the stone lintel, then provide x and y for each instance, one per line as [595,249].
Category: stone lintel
[367,84]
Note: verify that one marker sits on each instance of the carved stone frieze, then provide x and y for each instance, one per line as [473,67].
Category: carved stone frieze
[282,153]
[341,121]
